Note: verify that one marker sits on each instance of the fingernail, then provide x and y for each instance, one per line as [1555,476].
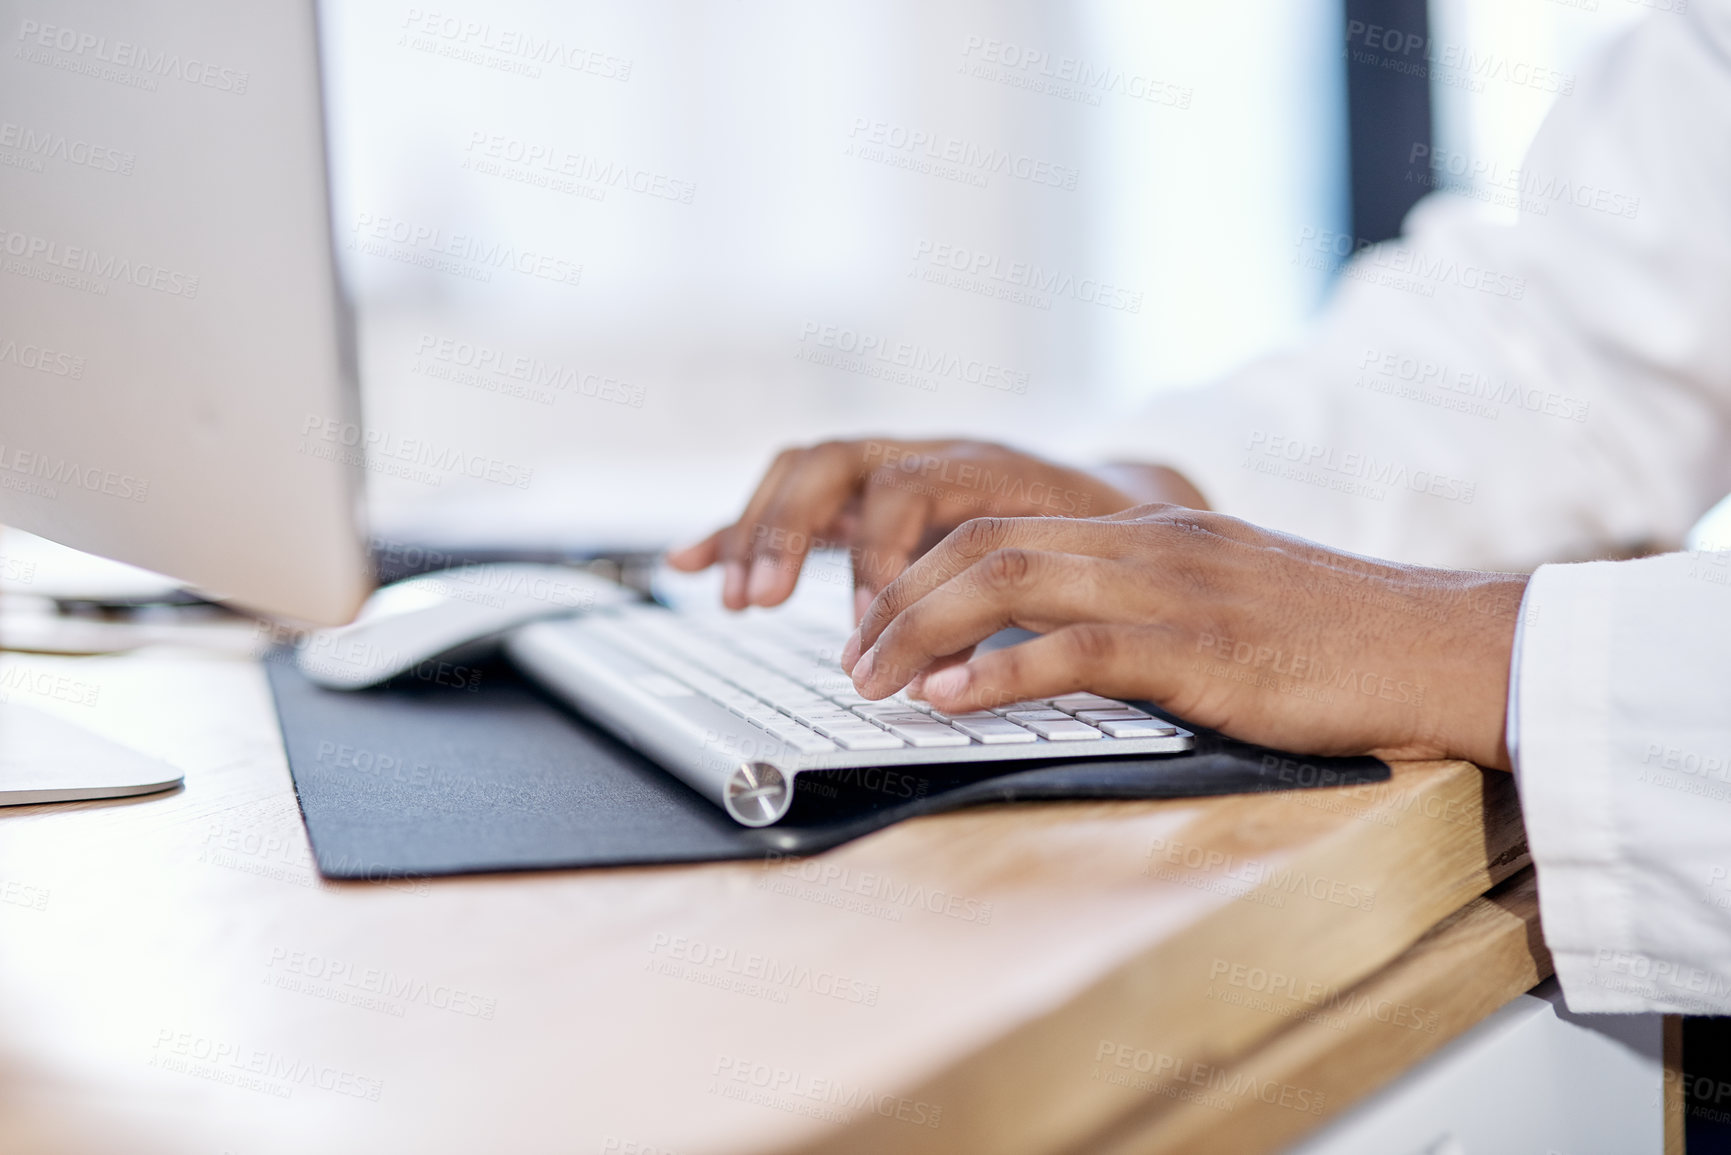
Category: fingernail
[862,601]
[850,651]
[946,683]
[733,582]
[863,671]
[763,580]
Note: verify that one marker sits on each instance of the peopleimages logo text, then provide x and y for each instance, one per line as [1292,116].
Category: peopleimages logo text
[1362,467]
[46,467]
[368,446]
[430,243]
[941,263]
[40,358]
[42,144]
[125,54]
[88,262]
[924,147]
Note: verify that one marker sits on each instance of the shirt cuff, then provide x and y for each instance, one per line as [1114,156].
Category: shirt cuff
[1560,704]
[1624,756]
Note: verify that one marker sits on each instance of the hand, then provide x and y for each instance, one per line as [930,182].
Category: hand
[886,501]
[1265,637]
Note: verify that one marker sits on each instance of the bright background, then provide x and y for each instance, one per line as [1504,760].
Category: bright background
[700,312]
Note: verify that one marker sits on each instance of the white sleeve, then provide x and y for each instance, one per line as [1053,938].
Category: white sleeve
[1496,396]
[1621,733]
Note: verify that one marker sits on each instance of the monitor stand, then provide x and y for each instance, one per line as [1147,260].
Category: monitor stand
[43,759]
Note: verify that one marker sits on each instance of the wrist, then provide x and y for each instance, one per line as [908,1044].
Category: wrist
[1472,652]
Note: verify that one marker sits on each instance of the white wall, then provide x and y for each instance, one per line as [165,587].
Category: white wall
[1196,140]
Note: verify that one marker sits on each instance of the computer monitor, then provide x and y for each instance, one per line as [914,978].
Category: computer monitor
[177,378]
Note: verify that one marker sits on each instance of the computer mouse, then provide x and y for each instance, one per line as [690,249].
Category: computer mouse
[432,621]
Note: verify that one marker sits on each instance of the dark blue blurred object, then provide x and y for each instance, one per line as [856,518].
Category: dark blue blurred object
[1388,62]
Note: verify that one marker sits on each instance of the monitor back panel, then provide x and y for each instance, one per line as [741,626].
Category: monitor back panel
[176,372]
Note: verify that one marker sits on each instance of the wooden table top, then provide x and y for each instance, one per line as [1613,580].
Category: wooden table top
[175,977]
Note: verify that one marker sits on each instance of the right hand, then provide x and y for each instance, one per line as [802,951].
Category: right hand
[888,501]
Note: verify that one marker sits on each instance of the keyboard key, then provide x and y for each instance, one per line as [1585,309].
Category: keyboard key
[845,726]
[994,731]
[1126,714]
[1026,716]
[814,717]
[1068,730]
[905,718]
[876,740]
[841,720]
[1022,707]
[1139,728]
[1070,703]
[889,709]
[928,734]
[806,742]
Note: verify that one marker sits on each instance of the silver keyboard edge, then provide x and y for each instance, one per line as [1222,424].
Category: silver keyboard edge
[591,678]
[705,745]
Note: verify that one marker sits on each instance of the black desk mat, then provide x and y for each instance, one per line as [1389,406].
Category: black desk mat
[487,774]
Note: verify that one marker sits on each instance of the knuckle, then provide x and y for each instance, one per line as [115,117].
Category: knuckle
[881,566]
[1092,644]
[1184,520]
[884,609]
[730,544]
[885,477]
[1007,569]
[978,536]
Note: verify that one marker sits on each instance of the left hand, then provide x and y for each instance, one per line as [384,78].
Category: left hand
[1265,637]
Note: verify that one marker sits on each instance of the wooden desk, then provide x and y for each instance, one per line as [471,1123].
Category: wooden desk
[175,977]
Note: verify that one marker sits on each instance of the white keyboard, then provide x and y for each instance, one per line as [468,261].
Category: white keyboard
[711,696]
[786,680]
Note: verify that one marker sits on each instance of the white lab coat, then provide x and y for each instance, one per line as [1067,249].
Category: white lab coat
[1504,396]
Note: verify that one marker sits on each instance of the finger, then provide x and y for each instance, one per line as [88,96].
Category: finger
[733,542]
[892,520]
[973,540]
[1033,589]
[1119,661]
[810,497]
[942,663]
[697,556]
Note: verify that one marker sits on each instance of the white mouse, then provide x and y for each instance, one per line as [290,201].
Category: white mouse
[447,615]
